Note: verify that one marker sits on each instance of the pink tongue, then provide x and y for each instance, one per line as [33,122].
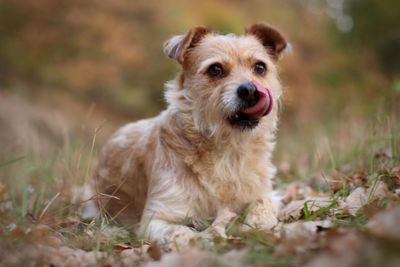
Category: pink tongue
[264,104]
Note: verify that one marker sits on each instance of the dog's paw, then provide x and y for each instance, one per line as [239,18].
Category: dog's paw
[217,229]
[263,215]
[259,222]
[178,237]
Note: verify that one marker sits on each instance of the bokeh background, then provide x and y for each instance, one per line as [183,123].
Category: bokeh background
[71,72]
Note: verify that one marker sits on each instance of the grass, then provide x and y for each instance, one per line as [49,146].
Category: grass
[36,190]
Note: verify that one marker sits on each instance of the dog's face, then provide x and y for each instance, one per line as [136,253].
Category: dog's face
[230,80]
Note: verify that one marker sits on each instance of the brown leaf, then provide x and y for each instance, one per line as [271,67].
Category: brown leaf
[134,256]
[154,251]
[342,251]
[338,180]
[298,237]
[362,196]
[53,241]
[395,172]
[386,224]
[357,199]
[16,230]
[296,191]
[295,209]
[383,153]
[190,257]
[335,182]
[45,255]
[358,179]
[2,190]
[372,208]
[120,247]
[397,193]
[39,232]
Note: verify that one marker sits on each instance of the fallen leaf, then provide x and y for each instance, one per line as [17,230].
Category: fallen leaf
[134,256]
[356,199]
[190,257]
[299,237]
[383,153]
[362,196]
[40,234]
[121,247]
[15,230]
[335,182]
[395,172]
[44,255]
[2,190]
[358,179]
[295,209]
[53,241]
[397,192]
[154,251]
[296,191]
[343,251]
[372,208]
[386,224]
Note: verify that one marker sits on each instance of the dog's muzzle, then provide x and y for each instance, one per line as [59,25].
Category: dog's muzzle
[257,99]
[255,102]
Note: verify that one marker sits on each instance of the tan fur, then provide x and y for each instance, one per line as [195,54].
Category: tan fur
[188,164]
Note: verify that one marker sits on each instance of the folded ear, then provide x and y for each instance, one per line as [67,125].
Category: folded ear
[271,38]
[177,46]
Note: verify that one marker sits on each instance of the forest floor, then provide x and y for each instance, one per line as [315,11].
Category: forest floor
[341,209]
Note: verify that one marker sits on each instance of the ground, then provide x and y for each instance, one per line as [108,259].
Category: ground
[339,207]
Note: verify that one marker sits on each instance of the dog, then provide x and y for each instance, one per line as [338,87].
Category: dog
[207,157]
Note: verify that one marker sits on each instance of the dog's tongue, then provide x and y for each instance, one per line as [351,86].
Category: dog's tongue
[263,106]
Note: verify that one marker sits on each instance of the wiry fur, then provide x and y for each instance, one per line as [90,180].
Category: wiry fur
[188,164]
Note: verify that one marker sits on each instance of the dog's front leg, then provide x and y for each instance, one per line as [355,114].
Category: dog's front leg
[262,214]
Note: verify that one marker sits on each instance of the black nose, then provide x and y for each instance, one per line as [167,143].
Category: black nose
[248,93]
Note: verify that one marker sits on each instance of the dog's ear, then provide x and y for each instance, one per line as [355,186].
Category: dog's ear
[271,39]
[177,46]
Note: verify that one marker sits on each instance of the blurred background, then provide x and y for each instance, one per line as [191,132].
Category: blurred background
[71,72]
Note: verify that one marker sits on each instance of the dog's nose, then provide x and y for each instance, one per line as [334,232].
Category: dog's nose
[248,93]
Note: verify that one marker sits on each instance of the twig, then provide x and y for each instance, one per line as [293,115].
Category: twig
[47,207]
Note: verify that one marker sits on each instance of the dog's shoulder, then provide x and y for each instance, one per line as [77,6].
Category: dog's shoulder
[133,133]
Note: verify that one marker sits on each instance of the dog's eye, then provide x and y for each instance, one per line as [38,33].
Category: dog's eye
[260,68]
[216,71]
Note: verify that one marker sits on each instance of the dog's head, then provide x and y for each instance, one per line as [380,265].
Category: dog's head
[229,79]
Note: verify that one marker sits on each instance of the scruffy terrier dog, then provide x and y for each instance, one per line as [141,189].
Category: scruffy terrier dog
[208,155]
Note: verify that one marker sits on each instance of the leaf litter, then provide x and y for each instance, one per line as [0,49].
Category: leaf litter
[310,233]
